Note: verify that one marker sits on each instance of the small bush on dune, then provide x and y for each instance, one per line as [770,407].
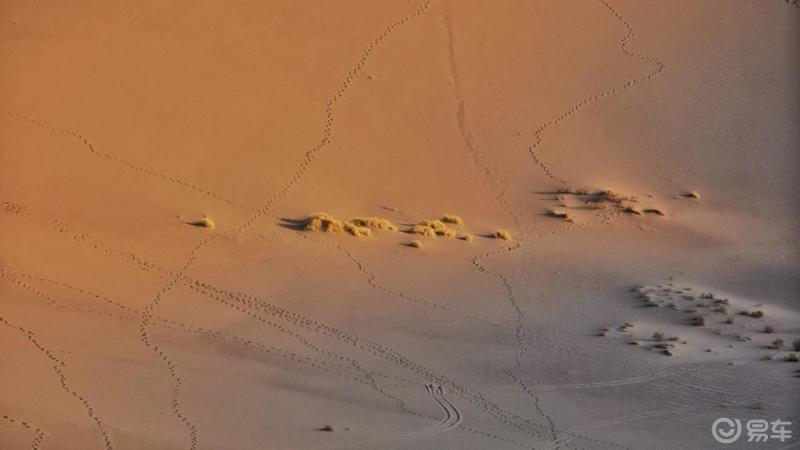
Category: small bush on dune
[502,234]
[415,244]
[356,230]
[699,320]
[329,224]
[777,344]
[433,227]
[796,345]
[374,222]
[323,222]
[424,230]
[205,222]
[467,237]
[794,357]
[769,329]
[757,314]
[658,336]
[452,218]
[655,211]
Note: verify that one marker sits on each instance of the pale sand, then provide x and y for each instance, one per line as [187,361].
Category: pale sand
[125,327]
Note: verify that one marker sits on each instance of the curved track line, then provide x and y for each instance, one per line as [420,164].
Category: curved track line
[88,144]
[373,283]
[58,368]
[308,158]
[247,304]
[473,151]
[588,101]
[38,440]
[452,416]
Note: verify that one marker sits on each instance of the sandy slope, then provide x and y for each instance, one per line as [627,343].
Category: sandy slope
[124,327]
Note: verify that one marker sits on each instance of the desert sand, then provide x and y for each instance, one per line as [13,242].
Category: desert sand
[593,210]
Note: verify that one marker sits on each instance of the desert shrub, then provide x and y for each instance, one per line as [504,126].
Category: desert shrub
[374,222]
[796,344]
[322,221]
[205,222]
[658,336]
[452,218]
[415,244]
[700,320]
[777,344]
[502,234]
[467,237]
[356,230]
[757,314]
[769,329]
[792,357]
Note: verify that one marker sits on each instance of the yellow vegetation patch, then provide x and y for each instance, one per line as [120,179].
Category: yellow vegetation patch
[356,230]
[374,222]
[323,222]
[205,222]
[452,218]
[502,234]
[467,237]
[433,228]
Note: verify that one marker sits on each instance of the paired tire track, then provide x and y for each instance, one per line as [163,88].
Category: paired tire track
[58,368]
[452,416]
[247,304]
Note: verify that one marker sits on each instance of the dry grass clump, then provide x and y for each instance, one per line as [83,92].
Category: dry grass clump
[777,344]
[415,244]
[658,336]
[467,237]
[632,210]
[692,194]
[322,221]
[502,234]
[769,329]
[610,196]
[325,222]
[796,344]
[655,211]
[793,357]
[356,230]
[757,314]
[433,228]
[375,223]
[452,218]
[699,320]
[728,320]
[205,222]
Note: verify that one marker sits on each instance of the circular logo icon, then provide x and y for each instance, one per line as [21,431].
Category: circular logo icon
[726,431]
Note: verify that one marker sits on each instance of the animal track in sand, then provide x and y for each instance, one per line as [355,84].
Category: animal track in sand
[532,149]
[308,158]
[88,144]
[39,434]
[58,368]
[250,303]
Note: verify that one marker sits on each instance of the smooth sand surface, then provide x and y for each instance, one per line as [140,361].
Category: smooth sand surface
[125,326]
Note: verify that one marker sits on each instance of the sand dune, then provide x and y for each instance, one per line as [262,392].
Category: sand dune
[548,224]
